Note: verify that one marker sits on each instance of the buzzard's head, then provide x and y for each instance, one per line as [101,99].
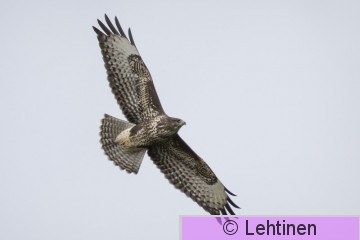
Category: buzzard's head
[177,123]
[170,126]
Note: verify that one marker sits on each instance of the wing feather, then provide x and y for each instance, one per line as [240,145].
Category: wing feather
[109,23]
[104,28]
[189,173]
[131,37]
[128,76]
[120,28]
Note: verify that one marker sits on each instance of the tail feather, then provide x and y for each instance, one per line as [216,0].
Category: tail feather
[110,128]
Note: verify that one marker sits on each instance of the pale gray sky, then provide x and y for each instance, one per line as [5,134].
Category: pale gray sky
[270,91]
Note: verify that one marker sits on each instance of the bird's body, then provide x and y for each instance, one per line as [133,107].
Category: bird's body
[150,128]
[151,131]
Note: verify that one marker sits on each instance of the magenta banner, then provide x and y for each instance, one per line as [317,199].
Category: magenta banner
[268,228]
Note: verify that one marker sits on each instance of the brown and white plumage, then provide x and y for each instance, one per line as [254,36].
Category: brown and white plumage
[129,78]
[150,128]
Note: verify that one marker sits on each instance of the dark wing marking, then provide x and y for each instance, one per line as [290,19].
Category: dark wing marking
[189,173]
[131,37]
[109,23]
[129,78]
[227,190]
[120,28]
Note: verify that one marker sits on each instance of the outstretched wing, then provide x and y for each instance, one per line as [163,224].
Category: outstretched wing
[129,78]
[189,173]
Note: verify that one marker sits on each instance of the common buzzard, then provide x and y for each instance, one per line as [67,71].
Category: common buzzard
[150,128]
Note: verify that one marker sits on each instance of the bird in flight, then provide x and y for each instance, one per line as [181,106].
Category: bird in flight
[150,128]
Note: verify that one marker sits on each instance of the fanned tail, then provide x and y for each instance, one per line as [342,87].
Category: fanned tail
[110,128]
